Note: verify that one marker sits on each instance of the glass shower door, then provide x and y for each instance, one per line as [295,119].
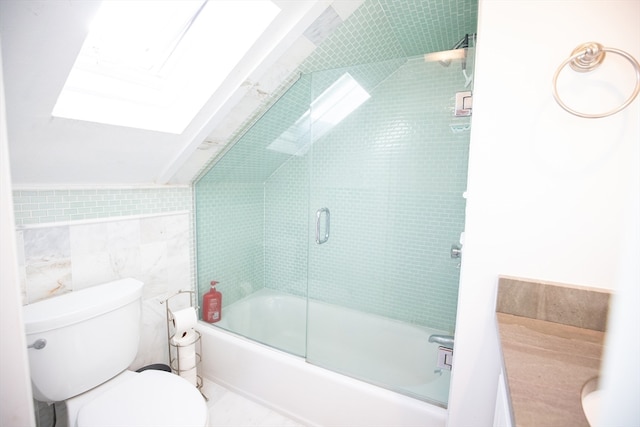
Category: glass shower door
[252,226]
[388,167]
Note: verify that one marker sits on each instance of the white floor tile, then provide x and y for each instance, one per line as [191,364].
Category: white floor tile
[230,409]
[226,409]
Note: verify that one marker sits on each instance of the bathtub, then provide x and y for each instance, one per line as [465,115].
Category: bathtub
[316,393]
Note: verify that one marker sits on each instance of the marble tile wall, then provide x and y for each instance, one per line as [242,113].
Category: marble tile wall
[58,258]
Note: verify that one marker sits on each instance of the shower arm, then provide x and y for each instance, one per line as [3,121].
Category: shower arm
[463,43]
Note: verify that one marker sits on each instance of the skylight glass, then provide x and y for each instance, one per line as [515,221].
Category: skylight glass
[332,106]
[154,64]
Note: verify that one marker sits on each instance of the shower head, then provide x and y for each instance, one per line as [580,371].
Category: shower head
[461,44]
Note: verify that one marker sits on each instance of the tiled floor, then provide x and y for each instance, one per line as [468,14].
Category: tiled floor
[226,409]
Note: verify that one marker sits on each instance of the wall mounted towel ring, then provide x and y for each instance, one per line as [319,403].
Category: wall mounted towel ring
[587,57]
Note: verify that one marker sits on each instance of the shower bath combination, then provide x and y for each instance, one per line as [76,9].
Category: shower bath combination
[389,183]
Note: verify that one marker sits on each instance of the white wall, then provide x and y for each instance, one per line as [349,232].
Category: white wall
[546,189]
[16,404]
[621,371]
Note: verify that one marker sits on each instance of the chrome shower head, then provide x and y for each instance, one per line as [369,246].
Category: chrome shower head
[463,43]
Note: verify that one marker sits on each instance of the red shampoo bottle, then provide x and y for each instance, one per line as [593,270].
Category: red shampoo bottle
[212,305]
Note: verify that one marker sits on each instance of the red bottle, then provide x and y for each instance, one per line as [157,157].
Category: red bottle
[212,305]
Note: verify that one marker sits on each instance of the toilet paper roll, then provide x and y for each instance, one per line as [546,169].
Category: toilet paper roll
[188,361]
[185,350]
[185,339]
[184,320]
[190,375]
[187,357]
[180,365]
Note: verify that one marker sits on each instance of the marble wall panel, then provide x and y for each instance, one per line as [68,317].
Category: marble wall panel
[47,262]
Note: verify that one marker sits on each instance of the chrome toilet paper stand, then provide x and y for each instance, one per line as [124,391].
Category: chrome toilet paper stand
[174,354]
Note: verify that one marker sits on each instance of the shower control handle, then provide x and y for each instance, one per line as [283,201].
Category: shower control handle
[327,221]
[456,251]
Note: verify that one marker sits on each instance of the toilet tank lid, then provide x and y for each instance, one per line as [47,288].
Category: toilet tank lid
[76,306]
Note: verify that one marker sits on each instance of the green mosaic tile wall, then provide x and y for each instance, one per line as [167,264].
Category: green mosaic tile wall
[230,224]
[395,165]
[63,205]
[392,174]
[230,203]
[385,29]
[380,30]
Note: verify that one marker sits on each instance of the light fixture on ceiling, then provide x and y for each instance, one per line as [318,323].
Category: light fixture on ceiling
[332,106]
[154,64]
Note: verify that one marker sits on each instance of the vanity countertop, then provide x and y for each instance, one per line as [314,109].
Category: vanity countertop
[547,361]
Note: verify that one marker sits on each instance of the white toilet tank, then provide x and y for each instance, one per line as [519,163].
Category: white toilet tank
[91,336]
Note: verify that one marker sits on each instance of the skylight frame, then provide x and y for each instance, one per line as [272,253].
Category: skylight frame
[161,99]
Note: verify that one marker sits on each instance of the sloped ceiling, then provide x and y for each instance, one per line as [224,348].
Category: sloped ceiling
[40,40]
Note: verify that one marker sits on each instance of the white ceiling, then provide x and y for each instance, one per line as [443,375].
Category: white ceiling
[40,41]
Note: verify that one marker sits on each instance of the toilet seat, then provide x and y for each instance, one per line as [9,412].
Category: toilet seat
[149,398]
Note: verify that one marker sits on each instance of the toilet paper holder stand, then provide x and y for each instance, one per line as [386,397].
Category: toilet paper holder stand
[175,347]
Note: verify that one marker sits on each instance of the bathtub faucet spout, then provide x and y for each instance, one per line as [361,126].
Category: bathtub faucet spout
[443,340]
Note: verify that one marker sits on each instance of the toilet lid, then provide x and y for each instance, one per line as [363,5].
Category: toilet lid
[151,398]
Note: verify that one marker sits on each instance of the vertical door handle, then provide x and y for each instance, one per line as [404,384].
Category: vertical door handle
[327,222]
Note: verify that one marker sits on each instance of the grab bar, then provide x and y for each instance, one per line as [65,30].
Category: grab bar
[327,221]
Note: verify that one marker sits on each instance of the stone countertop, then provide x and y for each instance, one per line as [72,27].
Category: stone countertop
[546,365]
[546,362]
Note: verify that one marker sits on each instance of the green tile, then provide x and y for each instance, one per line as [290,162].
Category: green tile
[392,174]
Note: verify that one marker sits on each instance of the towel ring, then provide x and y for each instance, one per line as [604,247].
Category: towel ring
[587,57]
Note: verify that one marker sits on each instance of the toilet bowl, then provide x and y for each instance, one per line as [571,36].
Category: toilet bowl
[80,346]
[146,399]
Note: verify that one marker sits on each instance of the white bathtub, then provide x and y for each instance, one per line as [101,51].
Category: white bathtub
[384,351]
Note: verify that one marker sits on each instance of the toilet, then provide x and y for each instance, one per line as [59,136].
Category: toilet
[80,346]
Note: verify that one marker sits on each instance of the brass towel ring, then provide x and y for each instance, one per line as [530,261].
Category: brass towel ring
[587,57]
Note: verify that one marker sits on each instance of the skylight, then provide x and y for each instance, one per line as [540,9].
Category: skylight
[154,64]
[332,106]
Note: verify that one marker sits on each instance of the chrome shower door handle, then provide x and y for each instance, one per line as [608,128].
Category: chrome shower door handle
[327,222]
